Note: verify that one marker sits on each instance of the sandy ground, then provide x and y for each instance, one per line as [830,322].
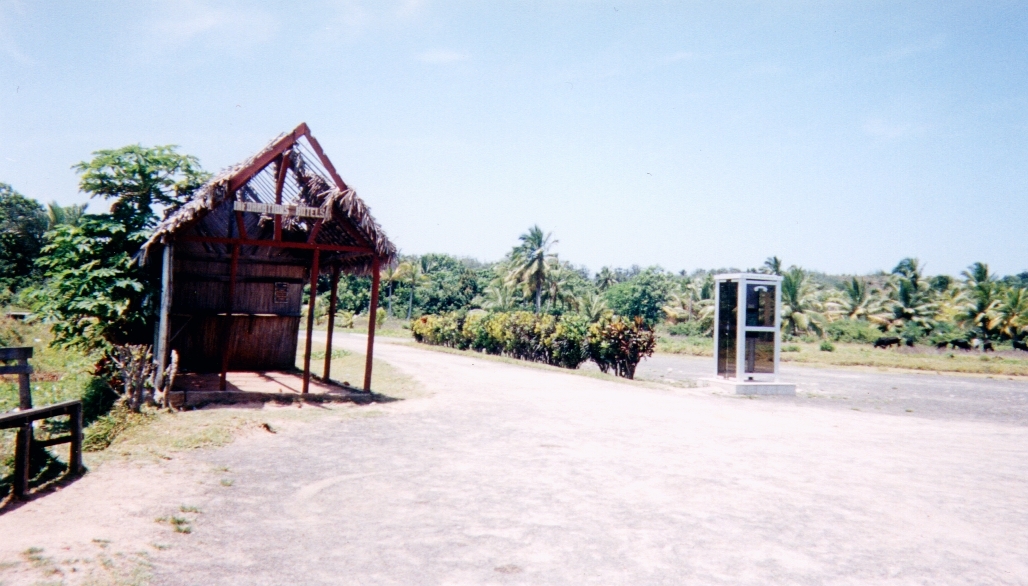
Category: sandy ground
[508,474]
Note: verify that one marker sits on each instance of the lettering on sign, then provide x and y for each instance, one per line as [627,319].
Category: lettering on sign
[275,209]
[281,293]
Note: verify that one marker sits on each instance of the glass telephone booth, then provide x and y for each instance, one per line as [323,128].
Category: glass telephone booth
[747,332]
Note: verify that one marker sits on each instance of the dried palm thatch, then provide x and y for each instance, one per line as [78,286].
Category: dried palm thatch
[309,180]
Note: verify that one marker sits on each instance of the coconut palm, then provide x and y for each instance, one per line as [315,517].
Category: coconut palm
[592,306]
[981,294]
[390,274]
[857,300]
[58,215]
[911,298]
[499,296]
[773,265]
[605,279]
[531,266]
[1010,317]
[801,309]
[558,286]
[413,272]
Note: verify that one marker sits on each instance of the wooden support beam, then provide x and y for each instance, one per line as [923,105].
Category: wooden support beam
[262,161]
[274,244]
[227,327]
[372,315]
[164,321]
[310,323]
[314,231]
[338,181]
[280,180]
[241,225]
[331,323]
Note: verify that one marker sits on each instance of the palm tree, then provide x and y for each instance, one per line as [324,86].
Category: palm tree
[413,272]
[558,285]
[390,274]
[57,215]
[1010,318]
[912,300]
[982,300]
[499,296]
[592,306]
[800,306]
[605,279]
[859,301]
[530,262]
[773,265]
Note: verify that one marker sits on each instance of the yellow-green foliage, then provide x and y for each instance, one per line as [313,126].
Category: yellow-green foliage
[566,341]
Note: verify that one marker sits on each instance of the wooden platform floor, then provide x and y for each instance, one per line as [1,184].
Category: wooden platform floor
[195,389]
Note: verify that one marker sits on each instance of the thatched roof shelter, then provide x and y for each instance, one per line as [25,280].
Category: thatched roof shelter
[237,254]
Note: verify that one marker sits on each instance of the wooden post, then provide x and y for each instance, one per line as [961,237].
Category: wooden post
[75,451]
[372,314]
[22,449]
[310,323]
[226,338]
[331,323]
[164,325]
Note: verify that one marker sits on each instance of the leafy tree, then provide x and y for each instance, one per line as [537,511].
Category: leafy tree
[95,292]
[859,302]
[22,225]
[773,265]
[643,296]
[531,262]
[137,178]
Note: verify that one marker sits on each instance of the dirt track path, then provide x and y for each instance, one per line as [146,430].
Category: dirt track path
[518,475]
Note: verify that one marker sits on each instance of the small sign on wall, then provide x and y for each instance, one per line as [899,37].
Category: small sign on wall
[281,293]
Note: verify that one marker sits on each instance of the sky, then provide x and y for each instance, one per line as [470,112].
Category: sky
[839,136]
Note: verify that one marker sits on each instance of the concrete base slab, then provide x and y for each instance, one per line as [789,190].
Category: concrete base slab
[752,387]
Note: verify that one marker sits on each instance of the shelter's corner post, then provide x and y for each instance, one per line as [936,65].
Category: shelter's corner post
[226,337]
[315,269]
[161,349]
[372,315]
[331,322]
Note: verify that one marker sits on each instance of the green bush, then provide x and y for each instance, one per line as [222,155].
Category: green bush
[852,330]
[692,329]
[827,346]
[566,341]
[790,348]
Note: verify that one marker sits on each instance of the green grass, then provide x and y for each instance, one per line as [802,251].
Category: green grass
[922,358]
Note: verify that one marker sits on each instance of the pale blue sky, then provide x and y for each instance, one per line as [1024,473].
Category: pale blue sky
[839,136]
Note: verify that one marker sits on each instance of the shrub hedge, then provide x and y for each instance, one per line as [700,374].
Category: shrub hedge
[566,341]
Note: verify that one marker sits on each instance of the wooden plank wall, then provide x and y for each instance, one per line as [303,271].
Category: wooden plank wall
[263,335]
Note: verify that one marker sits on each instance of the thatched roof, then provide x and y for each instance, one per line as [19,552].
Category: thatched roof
[310,180]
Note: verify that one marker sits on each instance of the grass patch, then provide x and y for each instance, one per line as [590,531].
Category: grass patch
[688,345]
[917,358]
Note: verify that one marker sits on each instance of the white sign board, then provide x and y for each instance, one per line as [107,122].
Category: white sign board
[275,209]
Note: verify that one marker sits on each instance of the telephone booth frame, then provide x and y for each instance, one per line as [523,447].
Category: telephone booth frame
[747,332]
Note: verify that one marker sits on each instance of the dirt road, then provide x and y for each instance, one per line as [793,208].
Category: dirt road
[516,475]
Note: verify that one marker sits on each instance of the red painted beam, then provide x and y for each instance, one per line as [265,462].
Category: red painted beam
[246,173]
[275,244]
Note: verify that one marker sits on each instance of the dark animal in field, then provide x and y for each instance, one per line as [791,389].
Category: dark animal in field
[1018,345]
[987,347]
[909,342]
[962,344]
[941,345]
[886,342]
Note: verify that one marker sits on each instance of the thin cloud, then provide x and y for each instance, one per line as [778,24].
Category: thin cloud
[441,56]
